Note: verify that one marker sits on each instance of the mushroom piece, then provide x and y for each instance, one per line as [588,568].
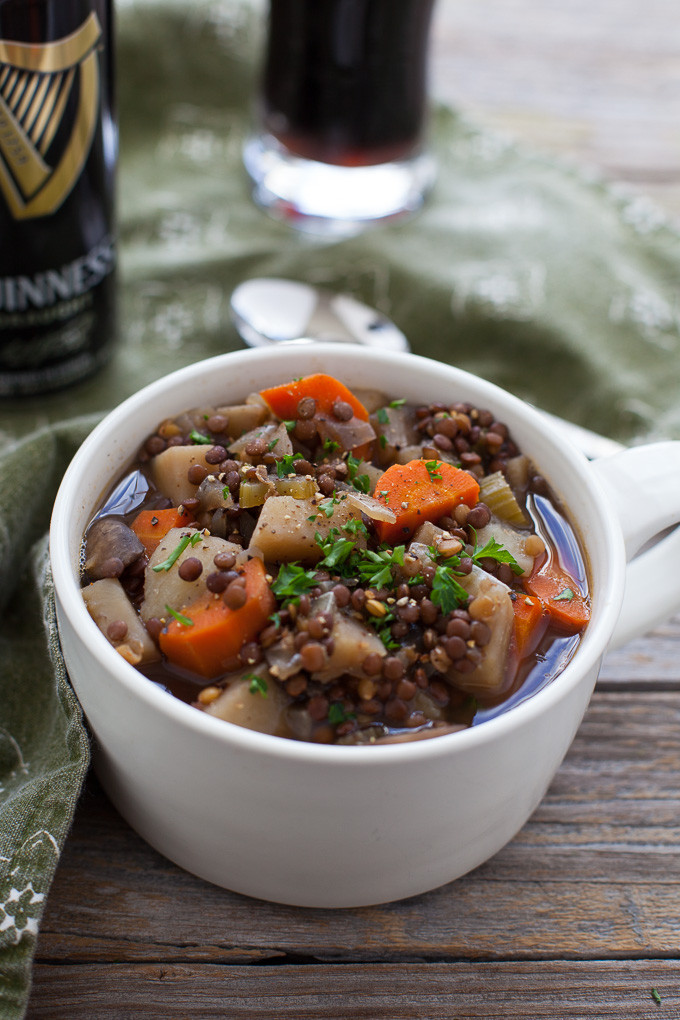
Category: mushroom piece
[110,547]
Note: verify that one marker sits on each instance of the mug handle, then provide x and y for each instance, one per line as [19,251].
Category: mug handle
[652,590]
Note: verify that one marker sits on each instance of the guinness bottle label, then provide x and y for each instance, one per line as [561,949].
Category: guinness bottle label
[57,160]
[35,84]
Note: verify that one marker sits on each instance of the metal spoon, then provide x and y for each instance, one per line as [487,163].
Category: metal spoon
[267,311]
[271,311]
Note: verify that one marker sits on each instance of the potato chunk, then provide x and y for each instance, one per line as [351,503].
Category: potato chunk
[493,597]
[251,707]
[243,417]
[284,531]
[169,471]
[112,611]
[165,587]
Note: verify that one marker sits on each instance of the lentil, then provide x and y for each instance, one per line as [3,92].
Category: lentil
[216,455]
[197,473]
[190,569]
[117,631]
[234,596]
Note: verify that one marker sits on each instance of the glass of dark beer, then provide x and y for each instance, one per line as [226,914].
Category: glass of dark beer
[342,113]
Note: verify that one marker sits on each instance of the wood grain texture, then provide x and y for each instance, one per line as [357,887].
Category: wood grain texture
[594,874]
[606,991]
[595,81]
[651,661]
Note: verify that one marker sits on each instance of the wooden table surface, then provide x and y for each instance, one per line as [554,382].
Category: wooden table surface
[580,915]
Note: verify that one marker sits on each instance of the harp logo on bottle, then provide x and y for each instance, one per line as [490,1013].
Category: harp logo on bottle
[49,104]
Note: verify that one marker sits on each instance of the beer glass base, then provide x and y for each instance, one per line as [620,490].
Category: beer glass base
[331,200]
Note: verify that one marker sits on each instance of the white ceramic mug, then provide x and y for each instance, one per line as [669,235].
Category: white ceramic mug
[336,826]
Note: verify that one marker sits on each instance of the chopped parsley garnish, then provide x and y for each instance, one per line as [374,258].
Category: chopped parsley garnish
[656,997]
[272,444]
[184,541]
[292,581]
[375,568]
[432,467]
[383,628]
[355,526]
[178,616]
[566,595]
[330,445]
[447,592]
[382,416]
[328,506]
[200,438]
[337,714]
[257,684]
[399,402]
[290,425]
[360,482]
[336,551]
[382,439]
[285,466]
[493,550]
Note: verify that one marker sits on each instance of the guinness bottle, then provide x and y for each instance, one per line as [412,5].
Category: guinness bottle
[58,148]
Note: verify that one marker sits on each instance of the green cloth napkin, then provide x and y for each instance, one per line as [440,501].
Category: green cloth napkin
[525,272]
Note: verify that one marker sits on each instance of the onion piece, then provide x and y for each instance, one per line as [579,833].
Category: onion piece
[348,434]
[373,508]
[264,432]
[283,658]
[213,494]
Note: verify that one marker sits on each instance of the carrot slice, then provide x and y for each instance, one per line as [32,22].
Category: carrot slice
[562,598]
[150,526]
[209,643]
[530,624]
[325,389]
[421,491]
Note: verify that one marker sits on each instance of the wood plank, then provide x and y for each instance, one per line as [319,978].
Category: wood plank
[594,873]
[606,991]
[652,661]
[595,82]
